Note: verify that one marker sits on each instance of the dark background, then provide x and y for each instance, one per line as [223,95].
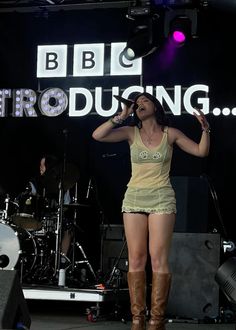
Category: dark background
[209,59]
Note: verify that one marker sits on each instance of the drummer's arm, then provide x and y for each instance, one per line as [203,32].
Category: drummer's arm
[33,189]
[67,198]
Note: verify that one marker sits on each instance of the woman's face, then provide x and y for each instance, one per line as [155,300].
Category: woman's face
[42,167]
[146,107]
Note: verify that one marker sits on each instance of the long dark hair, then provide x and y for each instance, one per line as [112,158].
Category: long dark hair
[160,114]
[51,178]
[50,161]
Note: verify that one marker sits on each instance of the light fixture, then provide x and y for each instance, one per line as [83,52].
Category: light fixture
[140,43]
[180,25]
[226,279]
[180,30]
[141,37]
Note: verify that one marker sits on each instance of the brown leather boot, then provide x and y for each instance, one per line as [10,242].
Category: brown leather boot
[159,297]
[137,293]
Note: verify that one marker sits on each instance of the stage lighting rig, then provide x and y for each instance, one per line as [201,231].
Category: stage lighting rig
[142,36]
[140,9]
[140,44]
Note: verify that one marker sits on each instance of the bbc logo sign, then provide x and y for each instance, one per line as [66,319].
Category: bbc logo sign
[88,60]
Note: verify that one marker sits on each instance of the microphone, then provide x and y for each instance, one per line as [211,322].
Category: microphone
[127,102]
[4,260]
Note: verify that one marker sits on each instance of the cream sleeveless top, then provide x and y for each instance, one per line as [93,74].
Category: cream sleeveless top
[150,166]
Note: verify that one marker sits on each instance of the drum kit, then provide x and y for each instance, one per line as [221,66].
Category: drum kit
[30,240]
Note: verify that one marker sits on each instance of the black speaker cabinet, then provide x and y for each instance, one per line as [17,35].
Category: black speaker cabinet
[194,260]
[13,307]
[192,204]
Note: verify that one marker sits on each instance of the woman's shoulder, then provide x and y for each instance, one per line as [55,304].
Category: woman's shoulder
[131,132]
[172,133]
[172,130]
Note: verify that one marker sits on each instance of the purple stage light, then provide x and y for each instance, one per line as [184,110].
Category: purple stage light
[179,37]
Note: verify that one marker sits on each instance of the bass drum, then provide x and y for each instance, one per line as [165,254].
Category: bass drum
[18,249]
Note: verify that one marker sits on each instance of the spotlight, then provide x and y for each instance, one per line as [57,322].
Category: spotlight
[180,30]
[140,44]
[181,25]
[226,279]
[143,25]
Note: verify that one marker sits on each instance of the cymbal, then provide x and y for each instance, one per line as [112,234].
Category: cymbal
[76,205]
[71,175]
[26,221]
[52,178]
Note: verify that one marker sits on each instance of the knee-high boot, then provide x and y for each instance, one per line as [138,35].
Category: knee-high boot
[137,292]
[159,298]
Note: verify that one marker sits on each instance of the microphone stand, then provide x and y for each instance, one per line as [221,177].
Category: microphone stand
[216,203]
[74,226]
[89,188]
[115,270]
[60,207]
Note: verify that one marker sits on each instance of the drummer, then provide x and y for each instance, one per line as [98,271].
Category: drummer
[46,188]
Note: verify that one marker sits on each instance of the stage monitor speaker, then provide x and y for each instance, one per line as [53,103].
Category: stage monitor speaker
[194,260]
[13,308]
[192,204]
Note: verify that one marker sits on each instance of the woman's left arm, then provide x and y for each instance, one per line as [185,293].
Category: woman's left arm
[200,149]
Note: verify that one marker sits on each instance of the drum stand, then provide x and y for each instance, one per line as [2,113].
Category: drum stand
[85,261]
[78,245]
[58,231]
[75,244]
[60,212]
[74,226]
[5,211]
[58,253]
[7,201]
[60,207]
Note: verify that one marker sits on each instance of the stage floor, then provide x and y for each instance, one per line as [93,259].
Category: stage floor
[73,315]
[55,308]
[68,320]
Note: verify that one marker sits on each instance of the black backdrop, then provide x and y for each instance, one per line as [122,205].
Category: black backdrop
[208,59]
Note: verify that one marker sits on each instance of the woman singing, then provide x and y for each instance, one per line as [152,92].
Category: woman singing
[149,204]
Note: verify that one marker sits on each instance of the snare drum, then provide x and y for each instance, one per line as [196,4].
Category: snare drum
[17,248]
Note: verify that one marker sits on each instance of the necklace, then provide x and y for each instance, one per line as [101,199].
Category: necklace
[149,138]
